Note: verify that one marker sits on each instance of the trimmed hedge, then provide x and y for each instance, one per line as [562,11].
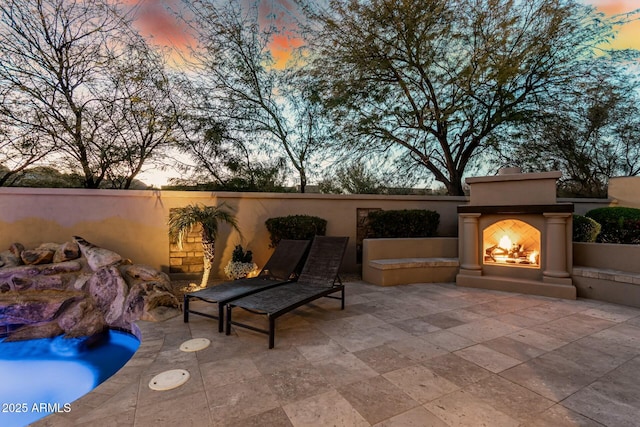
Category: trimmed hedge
[295,227]
[585,229]
[402,223]
[619,224]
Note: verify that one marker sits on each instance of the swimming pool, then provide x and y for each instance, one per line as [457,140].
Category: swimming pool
[40,377]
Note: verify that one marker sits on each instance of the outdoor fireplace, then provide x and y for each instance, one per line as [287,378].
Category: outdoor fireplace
[515,236]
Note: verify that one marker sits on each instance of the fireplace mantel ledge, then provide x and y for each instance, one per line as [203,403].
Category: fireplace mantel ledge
[517,209]
[515,177]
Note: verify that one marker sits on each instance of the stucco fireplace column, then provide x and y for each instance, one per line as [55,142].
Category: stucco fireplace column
[470,249]
[556,247]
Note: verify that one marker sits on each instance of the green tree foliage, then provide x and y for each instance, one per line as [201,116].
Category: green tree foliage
[144,117]
[352,178]
[42,176]
[256,101]
[590,132]
[19,149]
[223,162]
[433,80]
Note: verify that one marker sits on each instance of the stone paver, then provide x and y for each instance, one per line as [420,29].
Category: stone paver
[413,355]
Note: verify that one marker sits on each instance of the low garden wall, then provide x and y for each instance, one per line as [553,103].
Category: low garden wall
[388,262]
[601,271]
[607,272]
[134,223]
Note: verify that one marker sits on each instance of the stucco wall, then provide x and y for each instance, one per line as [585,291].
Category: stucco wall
[625,191]
[607,256]
[133,223]
[582,206]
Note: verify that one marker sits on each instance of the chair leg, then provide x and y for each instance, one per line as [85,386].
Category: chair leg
[185,308]
[228,320]
[220,318]
[342,300]
[272,332]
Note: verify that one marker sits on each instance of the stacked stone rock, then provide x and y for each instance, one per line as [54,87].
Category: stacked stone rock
[77,289]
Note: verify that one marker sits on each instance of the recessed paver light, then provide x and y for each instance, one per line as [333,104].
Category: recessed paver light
[169,380]
[195,344]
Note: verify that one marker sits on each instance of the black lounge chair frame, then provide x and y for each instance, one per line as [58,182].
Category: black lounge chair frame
[283,267]
[311,285]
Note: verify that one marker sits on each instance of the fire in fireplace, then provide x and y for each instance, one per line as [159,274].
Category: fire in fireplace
[515,236]
[511,242]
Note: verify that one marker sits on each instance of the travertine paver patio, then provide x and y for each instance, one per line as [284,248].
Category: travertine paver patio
[415,355]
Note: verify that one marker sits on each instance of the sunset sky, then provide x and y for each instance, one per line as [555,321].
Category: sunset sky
[155,19]
[629,34]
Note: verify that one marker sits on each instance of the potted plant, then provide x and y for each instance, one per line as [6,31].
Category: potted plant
[183,220]
[241,264]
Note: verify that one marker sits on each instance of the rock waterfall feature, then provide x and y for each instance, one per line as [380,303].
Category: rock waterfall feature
[77,289]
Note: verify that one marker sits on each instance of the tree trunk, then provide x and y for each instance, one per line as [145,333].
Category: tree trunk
[209,250]
[206,273]
[454,184]
[454,188]
[303,180]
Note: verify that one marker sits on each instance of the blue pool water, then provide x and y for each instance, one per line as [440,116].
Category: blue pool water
[40,377]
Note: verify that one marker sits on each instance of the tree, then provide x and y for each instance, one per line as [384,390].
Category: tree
[352,178]
[590,134]
[256,101]
[433,80]
[222,161]
[44,177]
[57,67]
[19,149]
[183,220]
[144,117]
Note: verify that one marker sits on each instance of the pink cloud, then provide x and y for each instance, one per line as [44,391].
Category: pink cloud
[156,20]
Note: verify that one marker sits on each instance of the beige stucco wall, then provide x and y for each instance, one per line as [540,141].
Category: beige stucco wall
[607,256]
[416,260]
[625,191]
[514,189]
[133,223]
[607,272]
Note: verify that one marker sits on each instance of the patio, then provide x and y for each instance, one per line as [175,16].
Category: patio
[411,355]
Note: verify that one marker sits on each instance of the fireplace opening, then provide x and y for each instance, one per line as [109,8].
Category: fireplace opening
[511,242]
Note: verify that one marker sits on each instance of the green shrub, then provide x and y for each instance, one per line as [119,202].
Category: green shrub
[239,255]
[296,227]
[403,223]
[585,229]
[619,224]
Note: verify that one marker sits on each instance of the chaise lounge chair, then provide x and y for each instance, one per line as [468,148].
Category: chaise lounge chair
[283,267]
[317,279]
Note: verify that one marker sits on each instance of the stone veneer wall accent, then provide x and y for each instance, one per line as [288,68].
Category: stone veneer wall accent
[188,258]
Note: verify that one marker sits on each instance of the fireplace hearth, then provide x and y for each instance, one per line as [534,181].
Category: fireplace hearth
[514,236]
